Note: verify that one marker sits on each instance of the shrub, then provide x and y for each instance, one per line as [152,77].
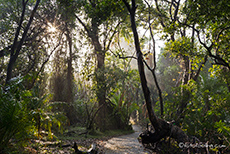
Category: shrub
[22,113]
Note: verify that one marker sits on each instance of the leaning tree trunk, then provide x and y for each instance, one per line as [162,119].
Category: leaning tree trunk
[162,128]
[16,48]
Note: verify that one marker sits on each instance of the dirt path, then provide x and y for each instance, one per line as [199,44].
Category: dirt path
[127,144]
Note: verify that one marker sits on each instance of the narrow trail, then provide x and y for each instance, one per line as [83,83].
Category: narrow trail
[126,144]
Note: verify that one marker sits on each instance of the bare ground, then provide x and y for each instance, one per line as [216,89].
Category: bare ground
[126,144]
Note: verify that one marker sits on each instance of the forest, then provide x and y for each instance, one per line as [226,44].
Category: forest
[76,72]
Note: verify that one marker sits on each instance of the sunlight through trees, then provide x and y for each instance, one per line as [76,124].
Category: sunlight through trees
[73,70]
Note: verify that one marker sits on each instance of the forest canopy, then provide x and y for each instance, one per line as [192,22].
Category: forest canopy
[99,63]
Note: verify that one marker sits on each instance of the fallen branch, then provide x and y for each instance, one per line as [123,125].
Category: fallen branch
[92,150]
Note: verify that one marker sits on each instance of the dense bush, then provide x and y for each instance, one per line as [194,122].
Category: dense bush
[23,114]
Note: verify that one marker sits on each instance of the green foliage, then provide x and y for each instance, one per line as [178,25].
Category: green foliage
[22,113]
[67,10]
[208,110]
[117,76]
[16,117]
[123,107]
[101,11]
[204,11]
[168,68]
[51,118]
[212,21]
[181,46]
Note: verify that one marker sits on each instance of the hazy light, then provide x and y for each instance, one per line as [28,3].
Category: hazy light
[51,28]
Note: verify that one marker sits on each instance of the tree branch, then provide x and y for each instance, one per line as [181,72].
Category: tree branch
[111,38]
[14,55]
[154,65]
[176,11]
[18,29]
[218,59]
[199,70]
[7,50]
[85,27]
[158,9]
[47,59]
[122,57]
[127,5]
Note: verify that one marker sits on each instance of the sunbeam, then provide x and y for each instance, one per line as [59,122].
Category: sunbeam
[51,28]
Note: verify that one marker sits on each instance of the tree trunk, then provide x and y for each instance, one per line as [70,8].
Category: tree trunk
[104,120]
[100,84]
[99,77]
[69,69]
[185,93]
[70,112]
[162,128]
[16,48]
[101,90]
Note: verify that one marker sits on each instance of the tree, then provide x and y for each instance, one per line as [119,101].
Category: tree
[185,32]
[210,21]
[66,9]
[161,127]
[182,44]
[38,46]
[102,21]
[16,48]
[24,103]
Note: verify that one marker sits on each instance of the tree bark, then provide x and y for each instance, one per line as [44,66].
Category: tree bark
[153,118]
[16,48]
[185,92]
[69,68]
[162,128]
[70,112]
[100,81]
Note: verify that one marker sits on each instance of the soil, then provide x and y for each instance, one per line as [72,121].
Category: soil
[126,144]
